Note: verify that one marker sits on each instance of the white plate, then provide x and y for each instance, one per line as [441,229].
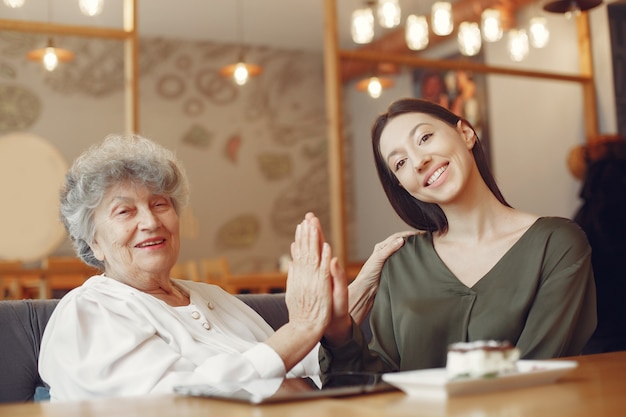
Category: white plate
[434,383]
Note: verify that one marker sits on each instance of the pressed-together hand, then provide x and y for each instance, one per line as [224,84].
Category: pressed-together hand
[309,283]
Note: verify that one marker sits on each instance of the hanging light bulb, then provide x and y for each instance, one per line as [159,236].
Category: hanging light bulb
[241,71]
[441,18]
[241,74]
[416,32]
[362,27]
[50,56]
[374,88]
[389,13]
[14,4]
[50,59]
[518,44]
[491,25]
[90,7]
[469,38]
[539,33]
[374,85]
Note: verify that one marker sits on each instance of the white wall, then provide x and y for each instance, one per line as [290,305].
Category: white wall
[534,123]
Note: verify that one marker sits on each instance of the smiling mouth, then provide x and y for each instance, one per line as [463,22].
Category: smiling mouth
[148,244]
[436,175]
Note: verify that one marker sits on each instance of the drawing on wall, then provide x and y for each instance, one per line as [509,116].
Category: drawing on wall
[239,232]
[275,166]
[20,108]
[7,71]
[461,91]
[302,195]
[231,150]
[198,136]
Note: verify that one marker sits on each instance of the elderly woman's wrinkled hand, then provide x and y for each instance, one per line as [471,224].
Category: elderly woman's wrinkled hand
[364,287]
[309,283]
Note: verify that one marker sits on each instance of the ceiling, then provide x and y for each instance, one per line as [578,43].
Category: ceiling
[289,24]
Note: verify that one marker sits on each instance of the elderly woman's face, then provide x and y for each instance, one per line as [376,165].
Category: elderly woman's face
[137,233]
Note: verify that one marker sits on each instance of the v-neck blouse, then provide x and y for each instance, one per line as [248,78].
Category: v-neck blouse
[539,296]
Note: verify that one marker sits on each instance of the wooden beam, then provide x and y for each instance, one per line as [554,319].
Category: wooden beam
[590,108]
[131,67]
[62,30]
[334,114]
[416,61]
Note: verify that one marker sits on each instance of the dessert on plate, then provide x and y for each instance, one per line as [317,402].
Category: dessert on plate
[481,359]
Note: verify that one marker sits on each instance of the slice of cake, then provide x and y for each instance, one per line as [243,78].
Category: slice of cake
[483,358]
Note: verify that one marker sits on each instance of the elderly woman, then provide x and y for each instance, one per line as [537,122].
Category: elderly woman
[134,330]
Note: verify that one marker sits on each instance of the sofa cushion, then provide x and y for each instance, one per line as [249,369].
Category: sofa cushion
[21,325]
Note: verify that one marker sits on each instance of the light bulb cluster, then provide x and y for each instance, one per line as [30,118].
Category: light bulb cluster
[470,35]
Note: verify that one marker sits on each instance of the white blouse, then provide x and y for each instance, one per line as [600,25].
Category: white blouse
[106,339]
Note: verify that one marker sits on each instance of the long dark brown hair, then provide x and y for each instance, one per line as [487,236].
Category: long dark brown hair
[416,213]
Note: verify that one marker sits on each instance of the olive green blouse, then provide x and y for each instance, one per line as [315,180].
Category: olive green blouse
[540,296]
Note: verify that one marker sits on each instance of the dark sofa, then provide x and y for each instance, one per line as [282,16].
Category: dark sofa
[22,324]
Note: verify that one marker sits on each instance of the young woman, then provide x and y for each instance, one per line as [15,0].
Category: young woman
[481,269]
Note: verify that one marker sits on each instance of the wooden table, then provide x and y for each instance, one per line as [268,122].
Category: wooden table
[596,388]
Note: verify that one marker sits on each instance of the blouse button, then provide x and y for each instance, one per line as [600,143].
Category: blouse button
[210,305]
[195,315]
[206,325]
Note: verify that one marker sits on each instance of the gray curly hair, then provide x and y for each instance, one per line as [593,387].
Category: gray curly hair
[117,159]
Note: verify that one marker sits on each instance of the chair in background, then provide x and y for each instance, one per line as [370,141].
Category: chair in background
[63,273]
[17,282]
[186,270]
[215,270]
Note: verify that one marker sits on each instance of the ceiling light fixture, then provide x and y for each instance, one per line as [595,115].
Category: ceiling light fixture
[389,13]
[14,4]
[538,32]
[491,23]
[518,44]
[374,85]
[240,71]
[50,56]
[469,38]
[416,32]
[362,25]
[91,7]
[441,18]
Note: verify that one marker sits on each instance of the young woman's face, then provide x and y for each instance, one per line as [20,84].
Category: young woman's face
[137,233]
[431,159]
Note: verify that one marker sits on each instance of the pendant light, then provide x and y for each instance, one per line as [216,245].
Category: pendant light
[374,85]
[50,56]
[441,18]
[416,32]
[518,44]
[241,71]
[491,23]
[469,38]
[14,4]
[389,13]
[90,7]
[538,32]
[362,25]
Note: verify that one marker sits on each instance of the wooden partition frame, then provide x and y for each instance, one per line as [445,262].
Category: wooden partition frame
[332,64]
[131,50]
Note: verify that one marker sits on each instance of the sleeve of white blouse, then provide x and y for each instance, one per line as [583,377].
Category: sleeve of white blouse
[94,349]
